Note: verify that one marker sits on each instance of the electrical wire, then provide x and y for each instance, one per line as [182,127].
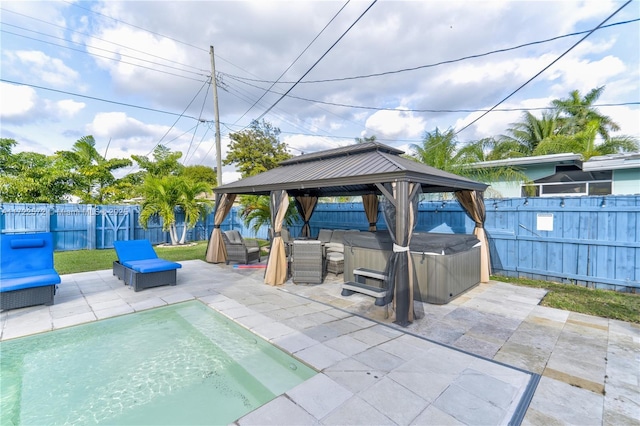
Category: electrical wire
[318,61]
[450,61]
[295,60]
[96,98]
[204,99]
[66,29]
[316,101]
[543,69]
[109,58]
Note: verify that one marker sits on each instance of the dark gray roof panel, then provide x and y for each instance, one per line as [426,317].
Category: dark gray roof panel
[342,152]
[354,172]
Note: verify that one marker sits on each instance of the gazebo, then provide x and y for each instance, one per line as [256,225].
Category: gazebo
[368,169]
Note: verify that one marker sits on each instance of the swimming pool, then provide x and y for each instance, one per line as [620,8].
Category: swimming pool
[179,364]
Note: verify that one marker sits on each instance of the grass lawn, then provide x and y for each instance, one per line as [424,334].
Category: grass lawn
[603,303]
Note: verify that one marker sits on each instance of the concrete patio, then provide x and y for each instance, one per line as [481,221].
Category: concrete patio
[492,356]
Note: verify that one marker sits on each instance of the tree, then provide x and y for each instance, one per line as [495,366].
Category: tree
[94,182]
[438,150]
[165,162]
[199,173]
[256,212]
[524,136]
[29,177]
[371,138]
[256,149]
[578,113]
[584,143]
[163,195]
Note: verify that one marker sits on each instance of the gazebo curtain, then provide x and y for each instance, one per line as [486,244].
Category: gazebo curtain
[400,209]
[276,272]
[473,203]
[306,205]
[216,251]
[370,203]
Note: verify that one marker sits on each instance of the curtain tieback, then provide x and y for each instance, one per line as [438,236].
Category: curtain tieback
[277,234]
[479,225]
[216,226]
[372,223]
[399,249]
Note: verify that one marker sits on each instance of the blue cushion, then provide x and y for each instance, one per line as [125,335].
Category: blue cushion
[26,253]
[151,265]
[27,243]
[19,281]
[134,250]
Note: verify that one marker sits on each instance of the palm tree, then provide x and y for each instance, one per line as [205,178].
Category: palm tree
[578,113]
[438,150]
[256,212]
[94,180]
[163,195]
[193,207]
[584,143]
[524,136]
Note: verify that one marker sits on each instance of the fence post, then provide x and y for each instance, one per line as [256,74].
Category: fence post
[91,227]
[132,226]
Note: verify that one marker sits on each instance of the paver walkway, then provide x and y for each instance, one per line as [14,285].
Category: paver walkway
[376,373]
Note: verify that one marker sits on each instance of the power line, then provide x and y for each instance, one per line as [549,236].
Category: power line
[178,119]
[372,108]
[294,61]
[66,29]
[96,98]
[545,68]
[112,59]
[450,61]
[157,34]
[134,26]
[321,57]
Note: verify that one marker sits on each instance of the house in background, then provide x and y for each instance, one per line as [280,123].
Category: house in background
[567,175]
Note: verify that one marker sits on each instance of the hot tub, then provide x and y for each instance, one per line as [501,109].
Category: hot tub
[446,265]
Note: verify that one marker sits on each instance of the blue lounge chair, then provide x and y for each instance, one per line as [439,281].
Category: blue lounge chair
[140,267]
[27,276]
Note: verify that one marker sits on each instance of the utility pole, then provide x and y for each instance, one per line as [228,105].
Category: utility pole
[217,117]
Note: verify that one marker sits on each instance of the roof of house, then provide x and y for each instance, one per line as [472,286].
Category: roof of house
[525,161]
[349,170]
[627,160]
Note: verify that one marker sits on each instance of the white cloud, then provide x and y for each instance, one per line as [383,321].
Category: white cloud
[17,101]
[44,68]
[69,108]
[396,124]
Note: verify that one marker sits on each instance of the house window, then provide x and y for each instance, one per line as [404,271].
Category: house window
[570,182]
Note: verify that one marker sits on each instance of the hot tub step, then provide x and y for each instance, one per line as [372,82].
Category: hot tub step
[369,273]
[351,287]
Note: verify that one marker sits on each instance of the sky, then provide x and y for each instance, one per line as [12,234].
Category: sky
[135,74]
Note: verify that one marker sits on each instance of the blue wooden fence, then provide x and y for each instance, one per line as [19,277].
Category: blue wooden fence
[82,226]
[590,241]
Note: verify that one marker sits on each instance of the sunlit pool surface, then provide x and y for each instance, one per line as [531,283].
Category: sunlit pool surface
[180,364]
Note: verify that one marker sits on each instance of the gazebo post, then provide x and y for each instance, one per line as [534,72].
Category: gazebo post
[403,302]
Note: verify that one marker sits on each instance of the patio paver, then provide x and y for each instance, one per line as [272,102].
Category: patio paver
[373,372]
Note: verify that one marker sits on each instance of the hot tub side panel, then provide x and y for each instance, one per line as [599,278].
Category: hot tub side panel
[441,278]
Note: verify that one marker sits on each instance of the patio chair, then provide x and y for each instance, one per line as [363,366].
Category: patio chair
[240,250]
[308,262]
[140,267]
[27,276]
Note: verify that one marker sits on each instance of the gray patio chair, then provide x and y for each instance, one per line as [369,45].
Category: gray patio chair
[238,249]
[308,262]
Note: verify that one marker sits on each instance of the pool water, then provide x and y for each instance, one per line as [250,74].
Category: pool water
[180,364]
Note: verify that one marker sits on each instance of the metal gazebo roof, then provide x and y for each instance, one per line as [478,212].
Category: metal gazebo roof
[349,170]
